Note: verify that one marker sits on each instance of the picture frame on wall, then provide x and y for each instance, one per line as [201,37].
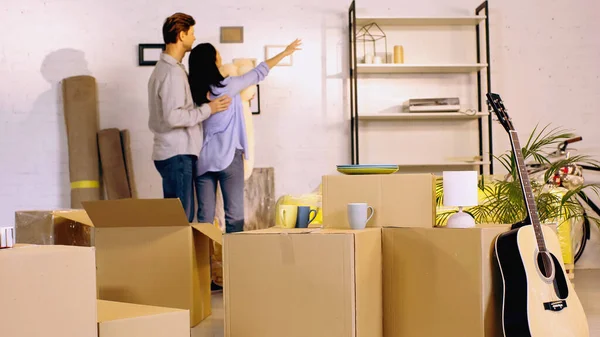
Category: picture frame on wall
[149,53]
[255,102]
[232,34]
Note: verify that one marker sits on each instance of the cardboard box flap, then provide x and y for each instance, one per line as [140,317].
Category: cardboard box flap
[136,213]
[78,215]
[347,231]
[211,231]
[111,311]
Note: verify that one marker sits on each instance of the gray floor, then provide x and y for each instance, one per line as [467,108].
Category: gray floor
[586,285]
[212,326]
[588,290]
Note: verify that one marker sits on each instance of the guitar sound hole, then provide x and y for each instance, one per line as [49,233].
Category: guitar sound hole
[545,264]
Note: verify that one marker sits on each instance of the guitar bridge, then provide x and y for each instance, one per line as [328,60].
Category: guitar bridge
[556,305]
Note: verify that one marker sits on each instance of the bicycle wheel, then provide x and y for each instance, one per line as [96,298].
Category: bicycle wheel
[581,234]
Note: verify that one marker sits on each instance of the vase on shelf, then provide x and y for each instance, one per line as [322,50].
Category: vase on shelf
[398,54]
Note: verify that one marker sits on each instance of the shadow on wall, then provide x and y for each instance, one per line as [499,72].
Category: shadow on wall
[48,156]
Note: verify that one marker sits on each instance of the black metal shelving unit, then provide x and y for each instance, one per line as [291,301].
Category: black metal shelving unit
[353,77]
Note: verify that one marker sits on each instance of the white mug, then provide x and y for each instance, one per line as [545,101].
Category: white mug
[7,237]
[357,215]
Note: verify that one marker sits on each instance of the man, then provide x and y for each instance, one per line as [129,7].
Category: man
[174,119]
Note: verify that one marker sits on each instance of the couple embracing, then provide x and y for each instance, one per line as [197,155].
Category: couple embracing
[198,123]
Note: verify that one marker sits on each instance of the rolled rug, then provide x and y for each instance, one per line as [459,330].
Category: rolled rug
[80,104]
[127,154]
[113,165]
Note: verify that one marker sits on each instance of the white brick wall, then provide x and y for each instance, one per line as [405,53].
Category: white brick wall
[545,65]
[69,38]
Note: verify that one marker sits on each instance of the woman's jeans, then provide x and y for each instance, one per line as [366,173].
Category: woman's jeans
[178,180]
[232,187]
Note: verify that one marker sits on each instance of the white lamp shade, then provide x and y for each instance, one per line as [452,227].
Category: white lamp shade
[460,188]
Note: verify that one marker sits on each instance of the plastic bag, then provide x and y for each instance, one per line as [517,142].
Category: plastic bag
[313,200]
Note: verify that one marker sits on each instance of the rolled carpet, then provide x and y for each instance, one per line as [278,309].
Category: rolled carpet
[112,160]
[126,142]
[80,104]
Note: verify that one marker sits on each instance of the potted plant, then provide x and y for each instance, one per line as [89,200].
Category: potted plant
[556,186]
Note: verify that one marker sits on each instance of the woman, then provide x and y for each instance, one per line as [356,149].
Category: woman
[225,142]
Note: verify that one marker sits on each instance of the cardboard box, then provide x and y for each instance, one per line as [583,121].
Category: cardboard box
[147,253]
[117,319]
[441,282]
[47,291]
[50,228]
[303,282]
[399,200]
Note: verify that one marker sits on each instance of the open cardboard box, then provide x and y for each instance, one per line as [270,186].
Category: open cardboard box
[148,253]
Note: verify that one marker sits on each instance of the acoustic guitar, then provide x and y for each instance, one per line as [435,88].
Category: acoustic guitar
[538,299]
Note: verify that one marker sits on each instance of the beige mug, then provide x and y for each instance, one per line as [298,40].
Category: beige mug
[287,215]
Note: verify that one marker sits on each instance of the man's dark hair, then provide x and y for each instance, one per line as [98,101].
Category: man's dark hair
[175,24]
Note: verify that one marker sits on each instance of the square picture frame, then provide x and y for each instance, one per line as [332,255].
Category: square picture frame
[149,53]
[232,34]
[255,102]
[272,50]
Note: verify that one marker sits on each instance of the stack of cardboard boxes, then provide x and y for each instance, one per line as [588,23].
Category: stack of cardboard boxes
[50,290]
[147,266]
[400,277]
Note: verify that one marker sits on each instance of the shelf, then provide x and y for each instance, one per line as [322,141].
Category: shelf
[422,21]
[422,115]
[430,68]
[393,68]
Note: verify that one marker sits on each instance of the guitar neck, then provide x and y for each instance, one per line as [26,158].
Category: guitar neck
[530,204]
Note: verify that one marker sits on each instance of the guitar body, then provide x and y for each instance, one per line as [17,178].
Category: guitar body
[532,304]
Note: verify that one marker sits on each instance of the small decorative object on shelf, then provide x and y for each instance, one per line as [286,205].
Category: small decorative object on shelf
[371,33]
[398,54]
[7,237]
[460,190]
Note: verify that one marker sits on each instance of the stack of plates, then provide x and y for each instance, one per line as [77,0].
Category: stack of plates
[367,169]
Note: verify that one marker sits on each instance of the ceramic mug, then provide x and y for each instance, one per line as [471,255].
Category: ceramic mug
[304,216]
[357,215]
[287,215]
[7,237]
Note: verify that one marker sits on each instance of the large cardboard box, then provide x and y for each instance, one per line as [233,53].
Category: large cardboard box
[117,319]
[47,291]
[303,282]
[148,253]
[441,282]
[399,200]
